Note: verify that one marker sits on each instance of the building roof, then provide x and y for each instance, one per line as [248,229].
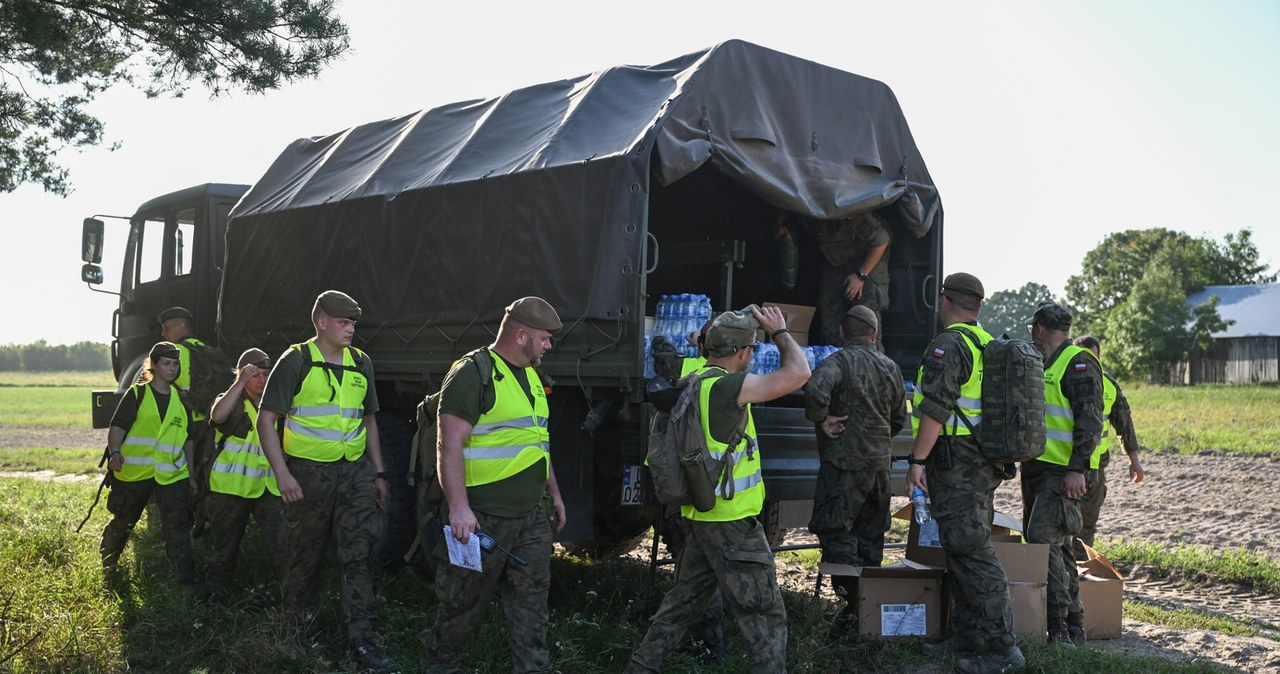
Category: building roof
[1252,307]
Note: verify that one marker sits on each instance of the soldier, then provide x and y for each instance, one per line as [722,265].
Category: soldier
[726,546]
[334,480]
[241,482]
[495,468]
[856,270]
[1053,484]
[1116,410]
[149,450]
[175,327]
[857,401]
[947,463]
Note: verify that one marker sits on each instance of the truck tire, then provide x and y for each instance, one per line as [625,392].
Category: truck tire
[770,519]
[400,514]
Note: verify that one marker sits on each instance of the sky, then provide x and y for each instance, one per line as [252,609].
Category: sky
[1045,126]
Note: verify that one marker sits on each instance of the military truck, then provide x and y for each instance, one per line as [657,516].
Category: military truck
[599,193]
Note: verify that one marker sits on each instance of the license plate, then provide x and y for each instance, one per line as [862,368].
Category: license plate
[632,486]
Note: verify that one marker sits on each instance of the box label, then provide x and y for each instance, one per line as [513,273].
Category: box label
[903,620]
[929,535]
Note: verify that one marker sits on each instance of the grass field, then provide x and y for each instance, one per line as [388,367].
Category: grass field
[1190,419]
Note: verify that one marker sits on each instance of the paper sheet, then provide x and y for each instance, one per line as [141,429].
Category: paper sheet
[465,555]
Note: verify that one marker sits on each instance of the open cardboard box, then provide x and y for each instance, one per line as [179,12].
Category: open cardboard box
[903,600]
[799,318]
[1102,593]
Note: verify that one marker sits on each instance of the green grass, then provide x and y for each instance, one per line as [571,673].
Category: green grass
[45,407]
[1184,619]
[1191,419]
[59,460]
[599,609]
[1197,564]
[103,379]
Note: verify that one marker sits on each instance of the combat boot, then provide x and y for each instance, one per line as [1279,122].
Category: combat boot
[1058,633]
[1075,628]
[952,645]
[369,657]
[992,662]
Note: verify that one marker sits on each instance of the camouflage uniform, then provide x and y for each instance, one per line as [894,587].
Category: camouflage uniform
[339,501]
[733,557]
[227,529]
[1048,516]
[126,502]
[844,245]
[851,501]
[1091,505]
[464,595]
[962,486]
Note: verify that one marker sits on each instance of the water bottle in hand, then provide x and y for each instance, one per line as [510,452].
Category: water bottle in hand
[920,505]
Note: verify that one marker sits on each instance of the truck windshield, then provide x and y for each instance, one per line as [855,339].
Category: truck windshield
[160,247]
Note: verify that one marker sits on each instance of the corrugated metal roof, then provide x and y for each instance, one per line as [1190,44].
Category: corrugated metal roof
[1254,308]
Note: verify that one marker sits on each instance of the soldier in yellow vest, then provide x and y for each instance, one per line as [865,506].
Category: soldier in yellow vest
[726,548]
[241,482]
[947,463]
[1117,411]
[175,327]
[149,451]
[495,468]
[1053,484]
[329,470]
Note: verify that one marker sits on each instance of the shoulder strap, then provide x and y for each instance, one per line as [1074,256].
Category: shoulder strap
[972,337]
[955,409]
[483,360]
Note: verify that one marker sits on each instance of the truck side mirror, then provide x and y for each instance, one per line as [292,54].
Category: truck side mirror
[91,274]
[91,245]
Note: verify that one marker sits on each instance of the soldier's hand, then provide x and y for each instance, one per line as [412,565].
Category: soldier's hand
[852,287]
[1074,485]
[116,463]
[463,523]
[832,427]
[558,506]
[290,490]
[770,318]
[1136,473]
[916,478]
[380,488]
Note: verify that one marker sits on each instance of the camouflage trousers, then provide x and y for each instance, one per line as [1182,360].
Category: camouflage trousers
[832,303]
[1049,517]
[963,504]
[1090,508]
[338,504]
[850,517]
[229,515]
[735,558]
[464,596]
[126,502]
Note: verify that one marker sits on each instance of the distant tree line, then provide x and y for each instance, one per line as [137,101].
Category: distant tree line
[44,357]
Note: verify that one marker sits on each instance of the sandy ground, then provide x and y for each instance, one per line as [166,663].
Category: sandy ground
[1218,501]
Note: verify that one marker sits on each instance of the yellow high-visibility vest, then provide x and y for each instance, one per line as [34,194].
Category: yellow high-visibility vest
[241,468]
[513,435]
[1059,421]
[326,422]
[970,400]
[748,477]
[152,446]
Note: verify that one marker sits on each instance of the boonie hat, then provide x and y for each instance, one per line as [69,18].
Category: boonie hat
[254,357]
[731,331]
[535,312]
[163,350]
[1052,315]
[865,315]
[174,312]
[964,283]
[338,304]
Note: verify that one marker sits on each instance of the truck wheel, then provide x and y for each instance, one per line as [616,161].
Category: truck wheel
[400,515]
[770,520]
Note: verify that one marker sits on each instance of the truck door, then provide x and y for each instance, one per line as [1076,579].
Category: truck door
[158,273]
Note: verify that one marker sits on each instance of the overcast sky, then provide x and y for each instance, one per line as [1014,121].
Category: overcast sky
[1045,126]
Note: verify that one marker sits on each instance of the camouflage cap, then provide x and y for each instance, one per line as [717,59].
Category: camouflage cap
[863,315]
[964,283]
[1052,315]
[254,357]
[535,312]
[731,331]
[174,312]
[338,304]
[163,350]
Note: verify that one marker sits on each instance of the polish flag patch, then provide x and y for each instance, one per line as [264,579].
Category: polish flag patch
[1081,367]
[938,353]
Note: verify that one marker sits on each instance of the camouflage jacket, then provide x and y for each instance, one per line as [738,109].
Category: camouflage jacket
[866,385]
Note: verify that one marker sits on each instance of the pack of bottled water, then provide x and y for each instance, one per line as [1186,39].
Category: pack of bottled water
[677,316]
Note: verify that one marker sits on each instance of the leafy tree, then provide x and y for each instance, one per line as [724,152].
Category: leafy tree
[1007,311]
[1133,293]
[57,55]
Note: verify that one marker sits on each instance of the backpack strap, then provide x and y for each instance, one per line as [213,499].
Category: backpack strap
[736,436]
[955,409]
[357,359]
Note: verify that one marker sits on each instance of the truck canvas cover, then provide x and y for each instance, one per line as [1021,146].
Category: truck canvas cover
[442,217]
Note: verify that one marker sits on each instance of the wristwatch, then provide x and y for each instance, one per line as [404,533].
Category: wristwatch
[911,460]
[380,475]
[860,275]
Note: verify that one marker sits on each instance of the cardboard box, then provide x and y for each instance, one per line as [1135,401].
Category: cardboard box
[900,601]
[1030,615]
[1023,562]
[799,318]
[1102,593]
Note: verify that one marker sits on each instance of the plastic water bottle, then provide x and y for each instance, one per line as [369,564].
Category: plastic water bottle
[660,315]
[648,355]
[920,506]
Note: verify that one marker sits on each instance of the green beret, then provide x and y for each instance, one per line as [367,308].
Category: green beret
[864,315]
[535,312]
[338,304]
[163,350]
[964,283]
[174,312]
[254,357]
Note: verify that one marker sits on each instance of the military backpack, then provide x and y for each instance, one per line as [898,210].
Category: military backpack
[211,374]
[1012,425]
[682,468]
